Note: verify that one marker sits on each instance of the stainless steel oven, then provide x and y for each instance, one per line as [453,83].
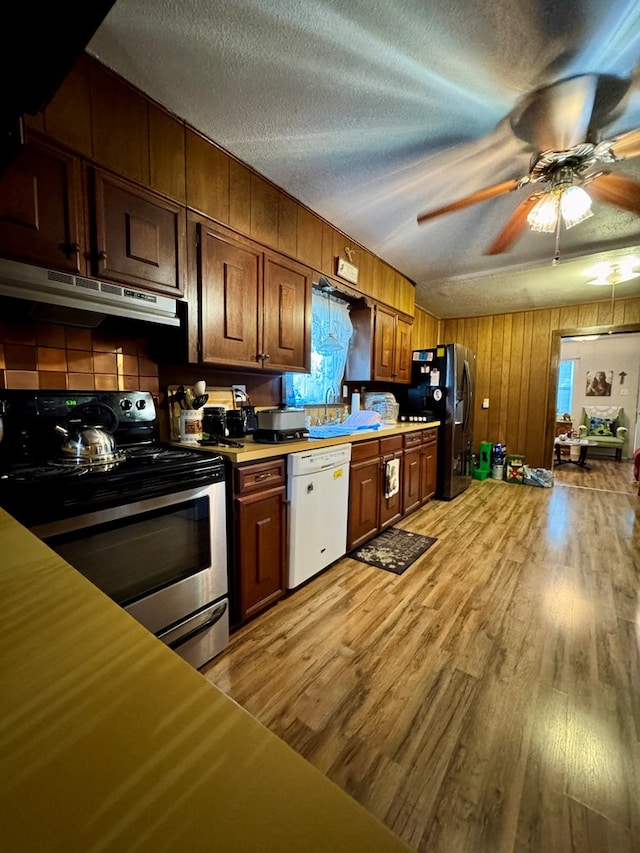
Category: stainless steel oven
[149,530]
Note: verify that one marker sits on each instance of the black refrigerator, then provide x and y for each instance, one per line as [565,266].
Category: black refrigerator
[442,388]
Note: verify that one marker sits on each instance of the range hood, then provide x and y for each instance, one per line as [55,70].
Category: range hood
[38,284]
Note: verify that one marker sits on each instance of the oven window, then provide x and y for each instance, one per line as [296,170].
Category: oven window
[135,556]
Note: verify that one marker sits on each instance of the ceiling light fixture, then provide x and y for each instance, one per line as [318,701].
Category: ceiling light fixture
[607,274]
[563,199]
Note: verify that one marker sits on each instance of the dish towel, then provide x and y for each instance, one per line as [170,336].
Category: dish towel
[392,478]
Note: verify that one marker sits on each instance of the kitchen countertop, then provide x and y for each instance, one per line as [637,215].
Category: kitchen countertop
[111,742]
[252,451]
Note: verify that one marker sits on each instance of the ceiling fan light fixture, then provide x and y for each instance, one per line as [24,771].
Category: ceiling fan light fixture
[575,206]
[543,216]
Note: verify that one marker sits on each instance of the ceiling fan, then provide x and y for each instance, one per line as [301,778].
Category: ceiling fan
[561,123]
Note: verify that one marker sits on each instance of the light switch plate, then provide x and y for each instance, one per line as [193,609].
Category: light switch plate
[485,403]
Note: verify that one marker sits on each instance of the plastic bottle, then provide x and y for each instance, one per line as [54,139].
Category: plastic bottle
[355,401]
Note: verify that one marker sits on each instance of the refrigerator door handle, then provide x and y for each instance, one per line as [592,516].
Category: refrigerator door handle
[468,398]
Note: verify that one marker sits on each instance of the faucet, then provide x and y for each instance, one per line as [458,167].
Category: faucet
[330,394]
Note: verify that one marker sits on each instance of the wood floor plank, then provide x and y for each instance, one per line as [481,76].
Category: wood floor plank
[488,699]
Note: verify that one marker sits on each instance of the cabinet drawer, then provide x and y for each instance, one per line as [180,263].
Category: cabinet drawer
[429,436]
[260,475]
[391,444]
[361,450]
[413,439]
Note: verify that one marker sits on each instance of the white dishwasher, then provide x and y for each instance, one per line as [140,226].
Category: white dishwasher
[318,494]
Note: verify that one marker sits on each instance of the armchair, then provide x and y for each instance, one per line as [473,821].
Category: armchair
[603,426]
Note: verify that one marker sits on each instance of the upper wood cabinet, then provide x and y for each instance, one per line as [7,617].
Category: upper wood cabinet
[392,347]
[117,232]
[137,238]
[254,306]
[41,209]
[286,343]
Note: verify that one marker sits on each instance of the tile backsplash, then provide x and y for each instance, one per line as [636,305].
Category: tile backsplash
[37,355]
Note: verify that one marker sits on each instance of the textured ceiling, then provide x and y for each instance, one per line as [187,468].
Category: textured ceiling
[371,112]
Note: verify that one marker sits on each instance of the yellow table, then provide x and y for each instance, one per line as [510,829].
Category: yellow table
[110,742]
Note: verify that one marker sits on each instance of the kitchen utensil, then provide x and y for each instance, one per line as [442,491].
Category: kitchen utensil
[282,418]
[188,398]
[180,397]
[200,400]
[199,388]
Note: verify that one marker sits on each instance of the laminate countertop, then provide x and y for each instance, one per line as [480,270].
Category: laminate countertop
[111,742]
[252,451]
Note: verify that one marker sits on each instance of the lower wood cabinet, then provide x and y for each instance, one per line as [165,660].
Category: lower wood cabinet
[372,507]
[258,553]
[364,493]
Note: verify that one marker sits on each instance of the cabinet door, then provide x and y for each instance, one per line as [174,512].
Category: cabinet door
[261,549]
[229,275]
[429,465]
[411,497]
[287,315]
[402,366]
[138,238]
[384,345]
[391,508]
[40,209]
[364,502]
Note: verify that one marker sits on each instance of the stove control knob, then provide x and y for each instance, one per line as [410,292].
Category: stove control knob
[125,404]
[141,404]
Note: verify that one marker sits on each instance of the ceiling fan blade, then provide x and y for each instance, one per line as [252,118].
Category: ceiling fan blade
[616,189]
[626,145]
[474,198]
[557,117]
[514,226]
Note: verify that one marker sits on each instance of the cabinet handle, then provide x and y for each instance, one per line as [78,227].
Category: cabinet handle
[266,356]
[102,255]
[69,249]
[260,477]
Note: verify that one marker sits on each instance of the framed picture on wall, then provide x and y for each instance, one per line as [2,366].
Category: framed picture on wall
[599,383]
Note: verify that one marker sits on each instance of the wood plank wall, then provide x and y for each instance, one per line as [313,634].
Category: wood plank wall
[426,329]
[514,355]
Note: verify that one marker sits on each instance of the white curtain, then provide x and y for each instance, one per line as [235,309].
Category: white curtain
[327,369]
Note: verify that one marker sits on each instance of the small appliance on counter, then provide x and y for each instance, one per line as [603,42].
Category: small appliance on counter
[284,423]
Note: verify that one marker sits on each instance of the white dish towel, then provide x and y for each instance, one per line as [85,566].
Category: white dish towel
[392,478]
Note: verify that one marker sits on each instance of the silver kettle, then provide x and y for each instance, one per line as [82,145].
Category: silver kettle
[89,444]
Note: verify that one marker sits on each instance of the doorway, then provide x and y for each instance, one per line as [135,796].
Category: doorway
[613,351]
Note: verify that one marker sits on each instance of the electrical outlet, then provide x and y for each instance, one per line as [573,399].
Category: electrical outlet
[485,403]
[239,393]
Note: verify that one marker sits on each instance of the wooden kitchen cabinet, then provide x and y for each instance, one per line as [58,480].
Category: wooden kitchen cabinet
[369,509]
[41,219]
[254,306]
[138,238]
[392,347]
[364,493]
[117,232]
[420,467]
[258,536]
[391,507]
[429,464]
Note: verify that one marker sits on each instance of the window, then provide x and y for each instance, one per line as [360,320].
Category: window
[327,365]
[565,386]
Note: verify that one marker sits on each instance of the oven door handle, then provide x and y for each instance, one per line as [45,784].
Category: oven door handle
[216,615]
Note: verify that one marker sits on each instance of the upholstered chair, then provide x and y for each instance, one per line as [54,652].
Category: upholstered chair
[603,426]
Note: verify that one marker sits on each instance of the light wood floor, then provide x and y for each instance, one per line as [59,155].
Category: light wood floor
[489,698]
